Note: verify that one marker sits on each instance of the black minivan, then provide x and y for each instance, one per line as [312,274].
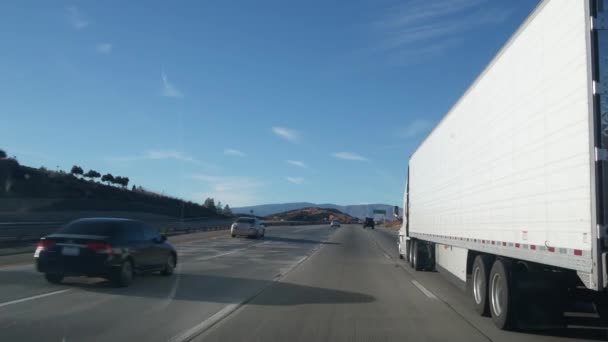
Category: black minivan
[109,248]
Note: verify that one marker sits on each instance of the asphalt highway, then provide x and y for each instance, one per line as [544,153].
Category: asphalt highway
[306,283]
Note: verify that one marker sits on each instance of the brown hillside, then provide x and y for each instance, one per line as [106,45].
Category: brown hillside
[312,215]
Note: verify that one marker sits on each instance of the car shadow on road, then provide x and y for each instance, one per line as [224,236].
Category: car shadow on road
[221,289]
[296,240]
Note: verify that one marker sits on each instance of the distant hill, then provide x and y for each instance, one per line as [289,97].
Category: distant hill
[312,215]
[358,211]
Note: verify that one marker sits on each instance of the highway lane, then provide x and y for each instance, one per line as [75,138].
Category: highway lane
[365,293]
[213,277]
[299,284]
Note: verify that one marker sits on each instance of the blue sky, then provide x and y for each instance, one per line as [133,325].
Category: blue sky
[248,102]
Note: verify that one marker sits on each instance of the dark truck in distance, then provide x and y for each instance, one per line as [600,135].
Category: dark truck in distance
[369,222]
[109,248]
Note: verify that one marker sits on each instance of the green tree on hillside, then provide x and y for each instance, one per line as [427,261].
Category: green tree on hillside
[218,207]
[122,181]
[117,180]
[209,203]
[92,174]
[77,170]
[107,178]
[3,154]
[227,211]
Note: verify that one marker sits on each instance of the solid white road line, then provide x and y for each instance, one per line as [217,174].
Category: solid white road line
[227,310]
[33,297]
[228,253]
[424,290]
[204,325]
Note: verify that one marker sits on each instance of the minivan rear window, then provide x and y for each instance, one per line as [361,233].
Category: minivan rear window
[101,228]
[245,220]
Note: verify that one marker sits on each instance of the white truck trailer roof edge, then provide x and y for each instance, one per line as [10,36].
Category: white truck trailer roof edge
[500,52]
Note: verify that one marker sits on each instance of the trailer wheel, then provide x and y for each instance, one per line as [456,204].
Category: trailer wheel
[601,306]
[501,294]
[479,288]
[410,252]
[418,256]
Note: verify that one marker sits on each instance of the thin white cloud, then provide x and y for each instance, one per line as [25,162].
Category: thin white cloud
[349,156]
[232,190]
[297,163]
[286,133]
[233,152]
[415,128]
[420,29]
[168,154]
[169,89]
[164,154]
[103,48]
[295,180]
[76,18]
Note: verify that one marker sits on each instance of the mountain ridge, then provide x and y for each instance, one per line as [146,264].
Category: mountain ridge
[356,210]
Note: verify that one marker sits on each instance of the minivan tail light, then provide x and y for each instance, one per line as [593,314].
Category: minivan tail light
[100,247]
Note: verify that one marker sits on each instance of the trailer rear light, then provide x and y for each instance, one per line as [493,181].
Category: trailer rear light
[100,247]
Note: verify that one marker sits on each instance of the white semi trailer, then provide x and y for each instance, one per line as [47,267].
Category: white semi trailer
[508,194]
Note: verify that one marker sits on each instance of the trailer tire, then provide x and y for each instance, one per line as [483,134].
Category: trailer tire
[479,283]
[418,256]
[500,294]
[601,306]
[410,252]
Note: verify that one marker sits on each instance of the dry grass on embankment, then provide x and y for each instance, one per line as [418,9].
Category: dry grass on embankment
[395,225]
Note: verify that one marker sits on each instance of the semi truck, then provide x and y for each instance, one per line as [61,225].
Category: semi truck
[508,194]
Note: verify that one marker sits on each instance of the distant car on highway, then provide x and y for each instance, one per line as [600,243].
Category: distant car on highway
[334,224]
[109,248]
[248,226]
[369,222]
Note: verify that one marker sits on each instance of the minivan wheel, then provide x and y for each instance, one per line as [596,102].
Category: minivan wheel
[53,278]
[170,266]
[124,275]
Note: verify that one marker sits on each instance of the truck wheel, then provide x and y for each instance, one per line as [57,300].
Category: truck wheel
[601,306]
[419,260]
[410,253]
[479,290]
[501,294]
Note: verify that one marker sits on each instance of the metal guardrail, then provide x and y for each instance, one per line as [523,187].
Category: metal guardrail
[22,231]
